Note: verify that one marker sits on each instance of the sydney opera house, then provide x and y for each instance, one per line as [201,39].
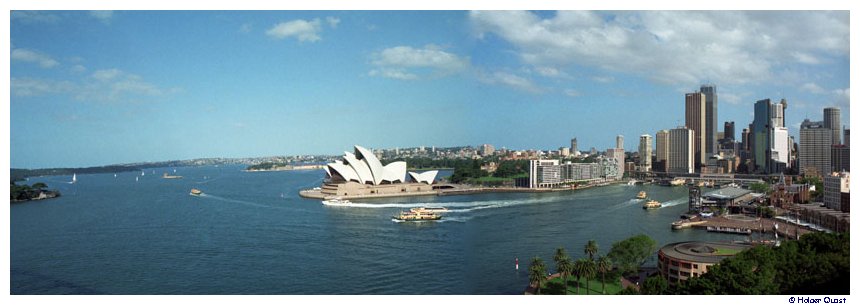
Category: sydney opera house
[361,174]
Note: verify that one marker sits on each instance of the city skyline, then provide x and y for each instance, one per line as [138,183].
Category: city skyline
[150,86]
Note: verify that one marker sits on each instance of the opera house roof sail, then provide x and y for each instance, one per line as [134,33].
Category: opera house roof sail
[363,167]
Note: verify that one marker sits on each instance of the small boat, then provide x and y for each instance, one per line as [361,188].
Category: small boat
[641,195]
[429,210]
[74,179]
[337,201]
[196,192]
[676,182]
[166,176]
[416,216]
[652,204]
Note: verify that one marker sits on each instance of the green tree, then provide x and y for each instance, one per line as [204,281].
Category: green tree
[655,285]
[39,186]
[589,272]
[580,269]
[537,273]
[565,267]
[631,253]
[591,249]
[760,187]
[604,265]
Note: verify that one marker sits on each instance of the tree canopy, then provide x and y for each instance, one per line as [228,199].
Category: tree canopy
[631,253]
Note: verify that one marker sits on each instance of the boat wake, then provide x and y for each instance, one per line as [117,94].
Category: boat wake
[219,198]
[675,202]
[453,207]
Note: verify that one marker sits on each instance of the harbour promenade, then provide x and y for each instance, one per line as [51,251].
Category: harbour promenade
[743,225]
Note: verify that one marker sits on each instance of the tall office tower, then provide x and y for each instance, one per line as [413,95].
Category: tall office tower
[619,142]
[815,148]
[831,121]
[618,155]
[681,150]
[729,130]
[847,138]
[573,146]
[645,153]
[662,149]
[777,115]
[778,152]
[695,121]
[711,122]
[760,135]
[745,139]
[840,157]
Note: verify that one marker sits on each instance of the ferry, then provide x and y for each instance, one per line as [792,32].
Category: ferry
[641,195]
[337,201]
[652,204]
[196,192]
[677,182]
[415,215]
[429,210]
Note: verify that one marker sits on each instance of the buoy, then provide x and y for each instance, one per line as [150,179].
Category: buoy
[517,263]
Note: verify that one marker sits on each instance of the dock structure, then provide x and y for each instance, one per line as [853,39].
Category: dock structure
[738,224]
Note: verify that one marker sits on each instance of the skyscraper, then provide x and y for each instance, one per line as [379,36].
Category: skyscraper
[695,121]
[573,146]
[760,134]
[729,130]
[662,149]
[815,148]
[710,92]
[619,142]
[831,121]
[645,153]
[618,155]
[681,148]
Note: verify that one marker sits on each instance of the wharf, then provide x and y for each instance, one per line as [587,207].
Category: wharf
[739,224]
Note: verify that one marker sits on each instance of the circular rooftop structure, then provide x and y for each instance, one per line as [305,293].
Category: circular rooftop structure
[702,252]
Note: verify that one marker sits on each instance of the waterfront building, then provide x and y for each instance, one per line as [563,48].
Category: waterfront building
[695,121]
[683,260]
[784,194]
[645,153]
[681,150]
[840,158]
[618,155]
[362,174]
[815,148]
[662,150]
[710,132]
[551,173]
[835,185]
[831,121]
[730,198]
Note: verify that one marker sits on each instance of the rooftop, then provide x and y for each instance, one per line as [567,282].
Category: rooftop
[702,252]
[726,193]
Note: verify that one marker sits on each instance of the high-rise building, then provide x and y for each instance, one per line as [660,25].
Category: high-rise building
[759,136]
[729,130]
[645,153]
[619,142]
[834,185]
[840,158]
[661,150]
[487,149]
[564,151]
[745,139]
[847,137]
[681,150]
[710,132]
[815,148]
[778,153]
[831,121]
[618,155]
[695,121]
[573,146]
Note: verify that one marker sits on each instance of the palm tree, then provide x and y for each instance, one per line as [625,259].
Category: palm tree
[604,265]
[588,272]
[565,267]
[578,270]
[559,254]
[537,273]
[591,249]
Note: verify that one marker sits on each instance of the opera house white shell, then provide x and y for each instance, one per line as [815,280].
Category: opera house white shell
[363,167]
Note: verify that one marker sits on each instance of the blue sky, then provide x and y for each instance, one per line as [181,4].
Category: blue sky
[106,87]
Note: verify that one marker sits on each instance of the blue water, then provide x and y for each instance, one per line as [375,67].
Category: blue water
[252,234]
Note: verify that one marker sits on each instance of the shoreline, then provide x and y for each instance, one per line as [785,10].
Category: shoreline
[466,190]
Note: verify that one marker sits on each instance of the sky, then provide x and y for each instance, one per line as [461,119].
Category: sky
[93,88]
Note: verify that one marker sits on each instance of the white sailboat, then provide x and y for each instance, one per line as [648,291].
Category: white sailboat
[142,173]
[136,179]
[74,179]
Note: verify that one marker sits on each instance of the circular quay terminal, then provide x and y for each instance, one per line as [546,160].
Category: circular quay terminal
[597,155]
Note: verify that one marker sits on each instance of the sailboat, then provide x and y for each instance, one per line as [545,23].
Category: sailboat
[136,179]
[74,179]
[142,173]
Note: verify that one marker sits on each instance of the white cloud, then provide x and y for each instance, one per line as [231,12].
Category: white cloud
[843,95]
[673,47]
[730,98]
[25,55]
[603,79]
[812,88]
[332,21]
[572,93]
[34,17]
[551,72]
[511,80]
[103,16]
[109,85]
[79,69]
[403,62]
[300,29]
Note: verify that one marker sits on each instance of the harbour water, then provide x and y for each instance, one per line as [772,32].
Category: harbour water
[251,234]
